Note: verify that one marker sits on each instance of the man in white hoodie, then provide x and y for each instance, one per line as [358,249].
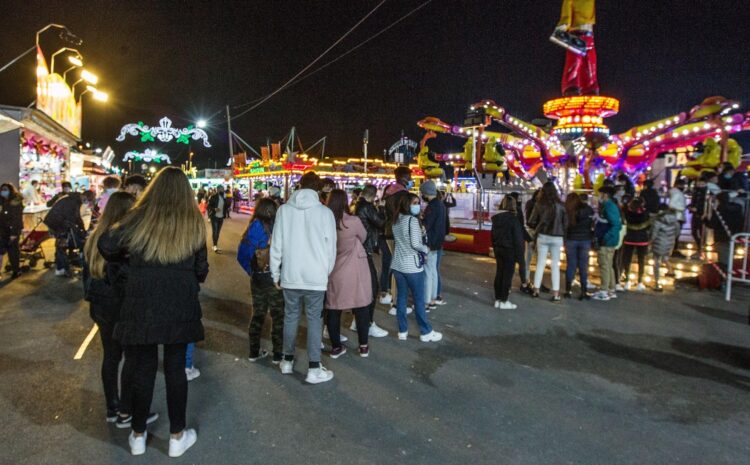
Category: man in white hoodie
[303,252]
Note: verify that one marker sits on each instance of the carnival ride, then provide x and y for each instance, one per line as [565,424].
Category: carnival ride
[580,139]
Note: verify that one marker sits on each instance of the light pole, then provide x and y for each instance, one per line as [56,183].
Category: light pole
[65,35]
[78,57]
[76,62]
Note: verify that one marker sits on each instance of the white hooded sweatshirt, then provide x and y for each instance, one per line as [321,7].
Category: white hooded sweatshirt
[303,244]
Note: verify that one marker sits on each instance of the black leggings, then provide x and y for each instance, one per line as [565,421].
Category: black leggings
[627,259]
[14,254]
[374,281]
[146,362]
[333,321]
[506,266]
[112,355]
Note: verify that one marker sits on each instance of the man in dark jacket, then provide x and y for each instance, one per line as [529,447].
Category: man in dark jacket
[650,196]
[434,223]
[66,189]
[374,222]
[391,197]
[697,208]
[731,179]
[65,223]
[11,225]
[218,209]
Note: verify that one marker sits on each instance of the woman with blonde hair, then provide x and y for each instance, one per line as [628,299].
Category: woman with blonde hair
[162,242]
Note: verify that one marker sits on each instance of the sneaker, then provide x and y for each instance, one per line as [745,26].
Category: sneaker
[137,443]
[440,301]
[432,336]
[555,298]
[393,311]
[342,338]
[353,326]
[568,295]
[192,373]
[216,249]
[262,354]
[628,286]
[590,286]
[640,287]
[497,304]
[277,358]
[61,272]
[286,367]
[377,331]
[337,352]
[619,288]
[402,336]
[364,351]
[507,305]
[658,289]
[612,295]
[601,295]
[125,422]
[430,307]
[386,299]
[177,447]
[112,416]
[318,375]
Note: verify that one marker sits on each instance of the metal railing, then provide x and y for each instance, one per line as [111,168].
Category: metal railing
[740,275]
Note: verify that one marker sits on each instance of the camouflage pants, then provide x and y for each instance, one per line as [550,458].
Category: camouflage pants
[265,300]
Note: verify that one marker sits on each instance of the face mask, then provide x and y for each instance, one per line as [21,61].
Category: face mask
[414,209]
[409,184]
[5,194]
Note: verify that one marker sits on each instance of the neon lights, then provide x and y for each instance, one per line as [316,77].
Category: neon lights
[148,156]
[164,132]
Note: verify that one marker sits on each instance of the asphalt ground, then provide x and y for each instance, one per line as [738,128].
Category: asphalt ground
[644,379]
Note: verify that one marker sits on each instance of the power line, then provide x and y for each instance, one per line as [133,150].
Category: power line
[267,97]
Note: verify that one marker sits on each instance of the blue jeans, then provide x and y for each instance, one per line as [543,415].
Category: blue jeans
[440,280]
[385,265]
[189,355]
[413,282]
[431,276]
[578,257]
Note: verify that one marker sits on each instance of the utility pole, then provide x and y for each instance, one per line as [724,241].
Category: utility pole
[229,129]
[364,142]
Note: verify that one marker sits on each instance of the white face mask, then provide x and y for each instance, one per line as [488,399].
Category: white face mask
[414,209]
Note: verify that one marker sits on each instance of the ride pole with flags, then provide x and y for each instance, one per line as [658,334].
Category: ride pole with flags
[364,143]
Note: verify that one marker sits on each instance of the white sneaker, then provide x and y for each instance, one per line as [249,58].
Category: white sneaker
[613,295]
[216,248]
[440,302]
[507,305]
[392,311]
[137,444]
[177,447]
[318,375]
[286,367]
[60,272]
[619,288]
[497,304]
[403,336]
[353,326]
[342,338]
[192,373]
[386,299]
[640,287]
[590,286]
[432,336]
[377,331]
[601,295]
[263,353]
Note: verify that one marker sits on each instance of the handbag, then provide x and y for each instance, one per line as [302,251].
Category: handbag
[421,256]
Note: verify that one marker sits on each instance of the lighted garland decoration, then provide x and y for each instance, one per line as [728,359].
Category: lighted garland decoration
[164,132]
[148,156]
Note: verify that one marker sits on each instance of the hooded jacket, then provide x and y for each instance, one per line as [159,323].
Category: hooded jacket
[11,216]
[663,233]
[303,249]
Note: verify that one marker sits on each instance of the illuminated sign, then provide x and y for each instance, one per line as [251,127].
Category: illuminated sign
[164,132]
[55,98]
[148,156]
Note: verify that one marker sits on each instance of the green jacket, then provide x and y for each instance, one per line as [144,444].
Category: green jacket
[611,213]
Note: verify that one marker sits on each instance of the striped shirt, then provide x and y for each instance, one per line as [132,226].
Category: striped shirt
[407,235]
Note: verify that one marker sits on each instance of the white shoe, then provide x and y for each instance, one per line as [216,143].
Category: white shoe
[386,299]
[177,447]
[640,287]
[60,272]
[440,302]
[192,373]
[432,336]
[601,295]
[353,326]
[497,304]
[342,338]
[318,375]
[613,295]
[619,288]
[263,353]
[377,331]
[507,305]
[590,286]
[216,249]
[403,336]
[286,367]
[393,311]
[137,444]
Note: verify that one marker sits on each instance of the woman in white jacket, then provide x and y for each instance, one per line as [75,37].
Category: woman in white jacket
[408,268]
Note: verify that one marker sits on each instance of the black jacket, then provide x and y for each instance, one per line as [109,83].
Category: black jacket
[583,229]
[374,223]
[507,233]
[11,216]
[651,198]
[448,205]
[213,204]
[549,220]
[65,214]
[698,200]
[434,223]
[731,213]
[638,226]
[160,302]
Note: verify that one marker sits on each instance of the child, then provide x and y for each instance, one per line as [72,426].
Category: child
[253,256]
[663,232]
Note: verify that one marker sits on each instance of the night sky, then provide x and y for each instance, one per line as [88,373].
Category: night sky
[187,60]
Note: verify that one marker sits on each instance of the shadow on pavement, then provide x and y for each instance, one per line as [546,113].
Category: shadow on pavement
[720,314]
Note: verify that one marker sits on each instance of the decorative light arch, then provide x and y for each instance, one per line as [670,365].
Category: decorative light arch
[164,132]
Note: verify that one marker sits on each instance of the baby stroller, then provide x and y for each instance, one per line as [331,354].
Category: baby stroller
[31,248]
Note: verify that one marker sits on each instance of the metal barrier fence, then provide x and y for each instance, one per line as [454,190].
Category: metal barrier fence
[740,275]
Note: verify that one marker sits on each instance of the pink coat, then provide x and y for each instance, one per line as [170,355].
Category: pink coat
[349,284]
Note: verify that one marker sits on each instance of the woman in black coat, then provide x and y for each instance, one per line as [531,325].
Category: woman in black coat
[11,225]
[507,243]
[162,241]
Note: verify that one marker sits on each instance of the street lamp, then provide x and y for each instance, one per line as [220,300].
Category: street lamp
[98,95]
[65,35]
[77,57]
[201,123]
[77,62]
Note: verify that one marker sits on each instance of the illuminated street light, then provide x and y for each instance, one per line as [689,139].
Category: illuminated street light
[201,123]
[77,57]
[89,77]
[77,61]
[152,170]
[98,94]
